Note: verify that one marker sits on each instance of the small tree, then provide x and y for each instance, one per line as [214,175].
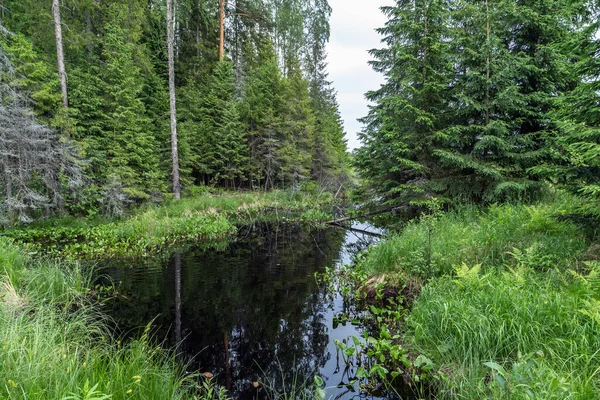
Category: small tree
[34,163]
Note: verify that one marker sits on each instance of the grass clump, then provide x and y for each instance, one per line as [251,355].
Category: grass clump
[54,344]
[498,235]
[511,334]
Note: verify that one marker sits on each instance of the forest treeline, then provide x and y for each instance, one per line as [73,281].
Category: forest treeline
[484,100]
[264,115]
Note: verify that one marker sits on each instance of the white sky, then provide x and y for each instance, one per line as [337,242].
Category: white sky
[353,33]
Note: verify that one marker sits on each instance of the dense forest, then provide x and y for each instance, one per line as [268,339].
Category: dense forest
[484,100]
[255,108]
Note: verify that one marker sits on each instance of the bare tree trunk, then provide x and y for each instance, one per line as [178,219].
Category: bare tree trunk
[174,151]
[59,52]
[221,29]
[487,65]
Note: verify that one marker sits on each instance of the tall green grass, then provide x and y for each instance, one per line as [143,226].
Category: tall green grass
[54,344]
[511,334]
[498,235]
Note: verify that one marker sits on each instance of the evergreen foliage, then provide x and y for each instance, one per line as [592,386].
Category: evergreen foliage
[249,121]
[469,106]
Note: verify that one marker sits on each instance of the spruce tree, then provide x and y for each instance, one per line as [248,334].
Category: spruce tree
[411,108]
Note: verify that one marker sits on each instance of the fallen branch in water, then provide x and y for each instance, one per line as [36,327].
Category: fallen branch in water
[346,219]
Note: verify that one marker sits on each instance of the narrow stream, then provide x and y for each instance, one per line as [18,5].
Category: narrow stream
[252,312]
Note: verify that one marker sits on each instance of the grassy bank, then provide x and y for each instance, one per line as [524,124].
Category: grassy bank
[154,227]
[508,306]
[56,346]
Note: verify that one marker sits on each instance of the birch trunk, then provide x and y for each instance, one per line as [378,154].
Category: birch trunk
[174,150]
[59,52]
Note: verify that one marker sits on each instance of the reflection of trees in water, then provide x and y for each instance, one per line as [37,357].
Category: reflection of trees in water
[259,298]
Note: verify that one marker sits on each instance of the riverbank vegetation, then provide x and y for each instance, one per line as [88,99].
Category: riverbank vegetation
[501,302]
[487,107]
[55,344]
[206,217]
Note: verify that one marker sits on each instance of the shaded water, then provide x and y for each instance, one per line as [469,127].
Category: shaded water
[252,312]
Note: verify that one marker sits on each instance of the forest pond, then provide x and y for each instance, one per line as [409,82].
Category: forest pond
[250,312]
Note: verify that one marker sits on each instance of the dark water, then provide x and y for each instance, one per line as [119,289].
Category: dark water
[252,312]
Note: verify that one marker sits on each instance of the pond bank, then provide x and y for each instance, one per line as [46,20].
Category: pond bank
[152,228]
[55,345]
[506,305]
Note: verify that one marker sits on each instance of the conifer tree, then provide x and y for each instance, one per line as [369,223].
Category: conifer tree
[171,61]
[261,102]
[411,107]
[576,149]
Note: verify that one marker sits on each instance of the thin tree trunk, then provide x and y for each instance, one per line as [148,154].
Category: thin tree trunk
[487,67]
[59,52]
[174,151]
[221,29]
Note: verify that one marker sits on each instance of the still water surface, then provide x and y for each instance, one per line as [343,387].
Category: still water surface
[252,312]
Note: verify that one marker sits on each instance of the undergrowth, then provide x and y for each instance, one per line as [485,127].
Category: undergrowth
[501,303]
[512,333]
[499,235]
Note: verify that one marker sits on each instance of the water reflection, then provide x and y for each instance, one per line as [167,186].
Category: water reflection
[252,312]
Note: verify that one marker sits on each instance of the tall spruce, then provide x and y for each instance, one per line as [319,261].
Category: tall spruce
[411,108]
[466,110]
[576,149]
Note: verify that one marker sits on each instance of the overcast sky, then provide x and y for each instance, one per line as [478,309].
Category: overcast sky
[353,33]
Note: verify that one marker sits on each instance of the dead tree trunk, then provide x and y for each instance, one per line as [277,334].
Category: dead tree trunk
[174,150]
[59,52]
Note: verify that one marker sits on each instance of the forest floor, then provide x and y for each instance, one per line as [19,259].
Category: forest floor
[501,302]
[153,227]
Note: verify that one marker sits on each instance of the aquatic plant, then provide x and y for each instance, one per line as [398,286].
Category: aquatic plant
[154,228]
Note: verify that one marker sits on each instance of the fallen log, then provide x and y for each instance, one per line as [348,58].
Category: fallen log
[346,219]
[364,232]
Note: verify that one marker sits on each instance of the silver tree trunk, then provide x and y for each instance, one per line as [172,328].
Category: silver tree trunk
[174,150]
[59,52]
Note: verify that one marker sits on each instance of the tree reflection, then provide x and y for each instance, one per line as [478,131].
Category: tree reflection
[251,312]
